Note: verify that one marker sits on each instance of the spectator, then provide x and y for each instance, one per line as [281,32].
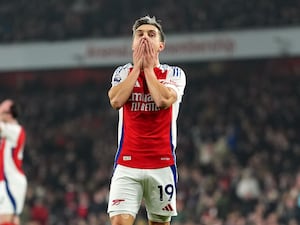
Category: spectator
[271,111]
[67,20]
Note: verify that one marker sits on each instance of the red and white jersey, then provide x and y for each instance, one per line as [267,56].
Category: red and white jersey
[12,141]
[147,135]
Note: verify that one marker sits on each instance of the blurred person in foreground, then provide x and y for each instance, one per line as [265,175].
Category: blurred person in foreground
[148,95]
[13,182]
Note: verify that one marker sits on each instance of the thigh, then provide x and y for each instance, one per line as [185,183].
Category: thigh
[160,192]
[125,191]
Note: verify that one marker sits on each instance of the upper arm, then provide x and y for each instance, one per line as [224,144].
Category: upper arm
[120,74]
[115,92]
[176,81]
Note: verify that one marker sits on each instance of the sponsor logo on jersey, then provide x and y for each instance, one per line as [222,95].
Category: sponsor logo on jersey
[138,97]
[145,107]
[142,102]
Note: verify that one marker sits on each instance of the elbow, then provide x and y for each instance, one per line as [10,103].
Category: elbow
[114,102]
[163,104]
[115,105]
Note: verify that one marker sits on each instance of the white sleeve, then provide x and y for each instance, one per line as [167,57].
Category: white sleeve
[176,80]
[120,74]
[10,131]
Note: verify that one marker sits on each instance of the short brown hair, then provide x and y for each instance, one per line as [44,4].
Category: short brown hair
[151,21]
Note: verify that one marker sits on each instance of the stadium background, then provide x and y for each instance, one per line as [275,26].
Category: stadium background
[238,147]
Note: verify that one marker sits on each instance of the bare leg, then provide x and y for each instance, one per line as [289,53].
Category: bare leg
[122,219]
[6,218]
[16,220]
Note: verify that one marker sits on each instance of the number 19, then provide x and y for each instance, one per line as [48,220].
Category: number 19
[169,190]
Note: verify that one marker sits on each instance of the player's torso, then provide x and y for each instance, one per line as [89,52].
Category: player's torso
[146,129]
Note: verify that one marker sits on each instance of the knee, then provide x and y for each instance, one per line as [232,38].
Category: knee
[122,219]
[158,219]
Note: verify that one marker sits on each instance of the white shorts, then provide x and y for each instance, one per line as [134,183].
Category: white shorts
[157,187]
[12,195]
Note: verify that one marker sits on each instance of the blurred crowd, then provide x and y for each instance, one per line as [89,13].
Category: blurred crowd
[238,146]
[54,20]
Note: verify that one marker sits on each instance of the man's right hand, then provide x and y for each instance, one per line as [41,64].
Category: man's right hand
[138,55]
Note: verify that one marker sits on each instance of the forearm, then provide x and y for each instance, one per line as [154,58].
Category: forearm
[119,94]
[163,96]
